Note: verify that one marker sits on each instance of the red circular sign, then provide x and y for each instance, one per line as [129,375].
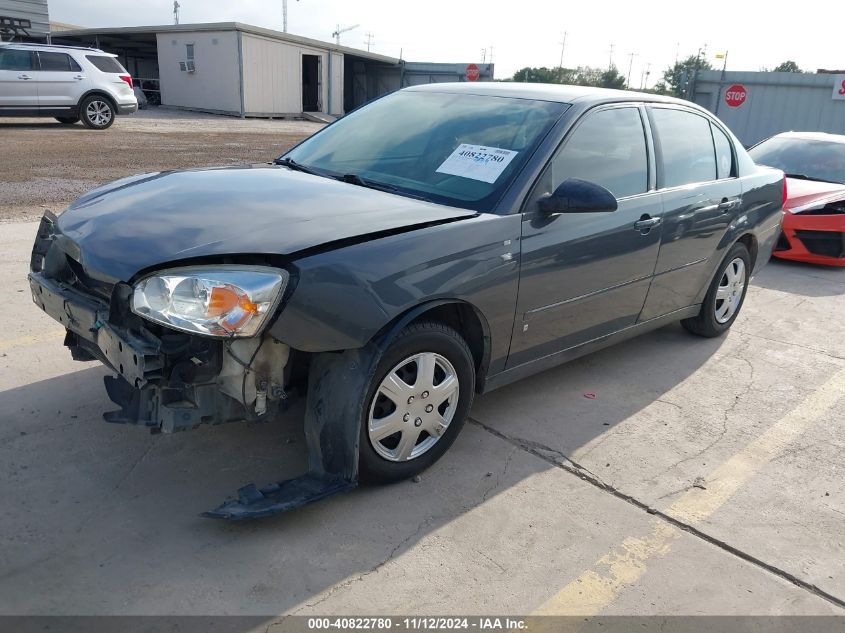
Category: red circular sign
[735,95]
[472,72]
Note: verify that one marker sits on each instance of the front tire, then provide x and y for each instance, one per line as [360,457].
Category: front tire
[725,295]
[416,403]
[96,112]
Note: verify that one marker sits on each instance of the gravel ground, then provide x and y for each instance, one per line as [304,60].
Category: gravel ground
[46,165]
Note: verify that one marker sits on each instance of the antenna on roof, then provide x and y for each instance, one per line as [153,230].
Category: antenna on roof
[176,6]
[338,31]
[285,15]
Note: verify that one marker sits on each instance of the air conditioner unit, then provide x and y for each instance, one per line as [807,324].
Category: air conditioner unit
[188,66]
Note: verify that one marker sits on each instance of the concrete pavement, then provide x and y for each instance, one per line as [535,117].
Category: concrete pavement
[705,477]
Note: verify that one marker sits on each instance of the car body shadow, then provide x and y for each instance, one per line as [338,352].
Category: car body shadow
[110,514]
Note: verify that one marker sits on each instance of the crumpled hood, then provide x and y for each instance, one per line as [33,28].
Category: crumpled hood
[155,219]
[804,194]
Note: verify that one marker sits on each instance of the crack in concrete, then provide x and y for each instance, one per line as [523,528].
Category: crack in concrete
[571,467]
[725,416]
[790,344]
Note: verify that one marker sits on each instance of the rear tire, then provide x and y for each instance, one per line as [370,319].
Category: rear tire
[402,397]
[96,112]
[67,120]
[725,295]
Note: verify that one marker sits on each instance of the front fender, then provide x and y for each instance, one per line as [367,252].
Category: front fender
[344,297]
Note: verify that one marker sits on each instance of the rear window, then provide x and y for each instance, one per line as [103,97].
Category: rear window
[106,64]
[60,62]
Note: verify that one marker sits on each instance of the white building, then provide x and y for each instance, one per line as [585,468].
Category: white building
[238,69]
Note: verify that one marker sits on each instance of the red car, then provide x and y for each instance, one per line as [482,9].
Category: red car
[814,213]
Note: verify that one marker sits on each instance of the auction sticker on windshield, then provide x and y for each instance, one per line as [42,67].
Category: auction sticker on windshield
[477,162]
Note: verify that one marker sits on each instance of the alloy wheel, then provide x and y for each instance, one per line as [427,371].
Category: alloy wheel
[730,290]
[98,113]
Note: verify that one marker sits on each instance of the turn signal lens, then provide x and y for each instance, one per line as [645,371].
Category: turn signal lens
[230,301]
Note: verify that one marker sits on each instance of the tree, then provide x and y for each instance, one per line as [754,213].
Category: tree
[544,75]
[675,77]
[612,78]
[788,66]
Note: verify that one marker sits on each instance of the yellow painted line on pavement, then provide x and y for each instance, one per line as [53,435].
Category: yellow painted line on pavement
[597,588]
[23,341]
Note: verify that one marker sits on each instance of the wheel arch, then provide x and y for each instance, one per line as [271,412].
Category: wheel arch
[98,92]
[750,241]
[461,315]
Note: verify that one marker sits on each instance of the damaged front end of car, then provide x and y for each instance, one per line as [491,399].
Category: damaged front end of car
[188,347]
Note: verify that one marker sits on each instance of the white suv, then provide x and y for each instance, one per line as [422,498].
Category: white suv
[65,82]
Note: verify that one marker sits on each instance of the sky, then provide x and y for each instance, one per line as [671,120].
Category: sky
[523,33]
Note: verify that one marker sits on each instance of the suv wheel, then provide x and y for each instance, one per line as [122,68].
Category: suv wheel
[416,403]
[97,112]
[724,298]
[67,120]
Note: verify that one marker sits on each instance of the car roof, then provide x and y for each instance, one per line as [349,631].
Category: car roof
[813,136]
[562,93]
[52,47]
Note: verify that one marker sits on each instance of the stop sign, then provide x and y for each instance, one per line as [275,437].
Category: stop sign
[735,95]
[472,72]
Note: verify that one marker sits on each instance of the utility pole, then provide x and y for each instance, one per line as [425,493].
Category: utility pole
[369,40]
[644,76]
[338,31]
[562,48]
[630,68]
[176,11]
[483,55]
[610,63]
[285,15]
[491,54]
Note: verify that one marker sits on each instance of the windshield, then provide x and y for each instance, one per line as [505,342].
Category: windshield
[798,157]
[456,149]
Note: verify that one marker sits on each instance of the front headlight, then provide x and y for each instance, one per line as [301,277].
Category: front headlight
[212,300]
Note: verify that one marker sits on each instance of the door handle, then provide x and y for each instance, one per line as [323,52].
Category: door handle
[726,204]
[24,77]
[80,77]
[646,223]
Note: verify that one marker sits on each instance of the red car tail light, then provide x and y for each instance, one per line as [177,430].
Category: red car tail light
[128,81]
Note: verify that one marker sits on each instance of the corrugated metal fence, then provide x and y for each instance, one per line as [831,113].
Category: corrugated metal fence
[774,102]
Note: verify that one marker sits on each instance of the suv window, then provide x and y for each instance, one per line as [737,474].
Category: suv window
[609,149]
[61,62]
[13,59]
[686,146]
[105,64]
[724,155]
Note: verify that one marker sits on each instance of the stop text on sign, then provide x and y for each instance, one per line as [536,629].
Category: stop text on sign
[735,95]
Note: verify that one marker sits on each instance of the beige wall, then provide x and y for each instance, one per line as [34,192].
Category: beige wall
[215,84]
[273,76]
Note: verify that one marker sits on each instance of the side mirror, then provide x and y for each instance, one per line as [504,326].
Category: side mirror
[578,196]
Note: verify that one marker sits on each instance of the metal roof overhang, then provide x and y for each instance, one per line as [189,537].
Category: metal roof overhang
[136,38]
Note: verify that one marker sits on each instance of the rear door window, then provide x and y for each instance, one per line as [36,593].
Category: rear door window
[12,59]
[686,146]
[105,64]
[60,62]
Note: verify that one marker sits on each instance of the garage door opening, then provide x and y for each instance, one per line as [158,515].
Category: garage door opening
[311,83]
